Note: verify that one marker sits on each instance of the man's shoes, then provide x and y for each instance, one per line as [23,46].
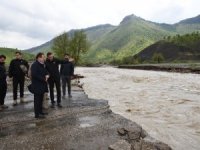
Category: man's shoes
[70,96]
[4,106]
[59,105]
[63,97]
[21,100]
[44,113]
[52,106]
[15,103]
[40,116]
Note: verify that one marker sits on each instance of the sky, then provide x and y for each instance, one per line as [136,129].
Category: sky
[28,23]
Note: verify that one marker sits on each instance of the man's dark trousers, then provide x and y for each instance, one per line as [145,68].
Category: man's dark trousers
[3,90]
[38,98]
[66,80]
[53,82]
[16,82]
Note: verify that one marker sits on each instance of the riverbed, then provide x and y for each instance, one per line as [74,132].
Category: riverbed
[166,105]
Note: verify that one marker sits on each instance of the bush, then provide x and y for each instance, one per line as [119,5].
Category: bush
[158,58]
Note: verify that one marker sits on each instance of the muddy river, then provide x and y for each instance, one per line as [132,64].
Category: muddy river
[166,105]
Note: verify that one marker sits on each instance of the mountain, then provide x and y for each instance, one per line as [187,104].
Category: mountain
[93,34]
[132,35]
[188,25]
[42,48]
[194,20]
[185,48]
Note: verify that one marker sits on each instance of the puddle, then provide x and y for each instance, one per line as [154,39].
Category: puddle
[88,121]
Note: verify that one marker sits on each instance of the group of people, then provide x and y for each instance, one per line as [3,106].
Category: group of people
[43,72]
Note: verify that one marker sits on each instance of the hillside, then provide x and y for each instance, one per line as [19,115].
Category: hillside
[10,53]
[188,25]
[185,48]
[42,48]
[93,34]
[132,35]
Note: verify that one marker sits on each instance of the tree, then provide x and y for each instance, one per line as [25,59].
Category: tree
[61,45]
[75,45]
[78,45]
[157,57]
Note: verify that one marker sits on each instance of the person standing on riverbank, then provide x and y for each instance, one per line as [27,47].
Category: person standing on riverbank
[52,66]
[66,72]
[39,77]
[18,69]
[3,82]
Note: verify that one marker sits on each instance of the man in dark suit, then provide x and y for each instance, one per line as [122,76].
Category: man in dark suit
[3,83]
[66,72]
[39,77]
[18,69]
[52,66]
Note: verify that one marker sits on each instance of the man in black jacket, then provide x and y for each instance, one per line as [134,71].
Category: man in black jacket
[39,77]
[52,66]
[3,83]
[18,69]
[66,72]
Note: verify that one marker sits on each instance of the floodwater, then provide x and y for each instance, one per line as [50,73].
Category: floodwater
[166,105]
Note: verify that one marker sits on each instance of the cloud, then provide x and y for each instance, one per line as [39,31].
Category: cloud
[37,21]
[17,40]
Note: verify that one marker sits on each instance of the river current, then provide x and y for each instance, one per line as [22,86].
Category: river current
[166,105]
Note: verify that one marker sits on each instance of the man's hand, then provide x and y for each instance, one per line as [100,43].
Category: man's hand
[46,77]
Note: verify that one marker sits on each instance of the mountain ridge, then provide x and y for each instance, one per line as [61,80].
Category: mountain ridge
[133,34]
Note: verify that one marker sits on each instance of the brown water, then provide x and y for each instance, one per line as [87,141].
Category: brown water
[166,105]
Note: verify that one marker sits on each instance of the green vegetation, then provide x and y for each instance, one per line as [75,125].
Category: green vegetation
[157,58]
[10,53]
[61,45]
[76,45]
[187,40]
[118,44]
[173,49]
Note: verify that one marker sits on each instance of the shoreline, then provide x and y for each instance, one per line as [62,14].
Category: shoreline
[179,68]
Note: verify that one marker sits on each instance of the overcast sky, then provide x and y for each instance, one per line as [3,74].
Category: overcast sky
[28,23]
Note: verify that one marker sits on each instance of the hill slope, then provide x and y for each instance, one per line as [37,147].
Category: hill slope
[93,34]
[10,53]
[132,35]
[183,48]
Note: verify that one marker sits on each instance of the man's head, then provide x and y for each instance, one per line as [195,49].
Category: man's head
[18,55]
[67,56]
[50,56]
[2,58]
[40,57]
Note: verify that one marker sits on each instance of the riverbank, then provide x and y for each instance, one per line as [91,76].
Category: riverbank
[82,123]
[181,68]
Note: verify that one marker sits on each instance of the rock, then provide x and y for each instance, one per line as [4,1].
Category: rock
[148,146]
[162,146]
[121,131]
[134,133]
[134,136]
[120,145]
[136,145]
[144,133]
[149,143]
